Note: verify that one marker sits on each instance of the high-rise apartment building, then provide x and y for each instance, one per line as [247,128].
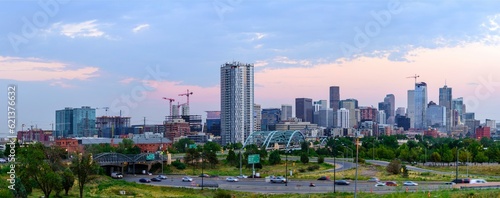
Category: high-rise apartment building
[257,117]
[76,122]
[334,102]
[343,118]
[382,117]
[457,105]
[436,117]
[445,98]
[351,105]
[237,102]
[420,105]
[286,112]
[304,109]
[390,101]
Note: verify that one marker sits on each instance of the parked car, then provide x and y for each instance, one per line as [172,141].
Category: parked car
[204,175]
[324,178]
[241,176]
[187,179]
[374,179]
[391,183]
[144,180]
[341,182]
[278,179]
[478,181]
[409,183]
[461,181]
[156,179]
[232,179]
[379,184]
[162,176]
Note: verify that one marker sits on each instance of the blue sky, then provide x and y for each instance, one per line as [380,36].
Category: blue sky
[99,53]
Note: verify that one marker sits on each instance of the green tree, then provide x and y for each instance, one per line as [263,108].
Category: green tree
[183,145]
[68,179]
[83,168]
[394,167]
[19,189]
[435,157]
[481,157]
[34,166]
[304,158]
[211,146]
[321,160]
[274,157]
[211,157]
[231,157]
[304,146]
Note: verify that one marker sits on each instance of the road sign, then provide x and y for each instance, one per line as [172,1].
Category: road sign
[254,159]
[150,157]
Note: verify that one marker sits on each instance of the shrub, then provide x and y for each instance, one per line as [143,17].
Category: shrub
[321,160]
[302,170]
[394,167]
[179,165]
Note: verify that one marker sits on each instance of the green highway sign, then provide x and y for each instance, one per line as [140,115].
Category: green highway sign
[254,159]
[150,157]
[192,146]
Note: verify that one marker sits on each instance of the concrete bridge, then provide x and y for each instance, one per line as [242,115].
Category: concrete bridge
[129,163]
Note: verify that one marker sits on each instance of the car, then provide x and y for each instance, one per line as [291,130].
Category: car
[241,176]
[278,179]
[204,175]
[478,181]
[187,179]
[379,184]
[2,160]
[162,176]
[409,183]
[461,181]
[374,179]
[341,182]
[449,183]
[326,178]
[156,179]
[232,179]
[144,180]
[391,183]
[116,175]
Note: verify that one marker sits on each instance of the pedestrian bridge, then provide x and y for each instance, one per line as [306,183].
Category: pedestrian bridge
[276,140]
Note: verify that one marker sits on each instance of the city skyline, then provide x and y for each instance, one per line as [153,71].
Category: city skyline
[128,57]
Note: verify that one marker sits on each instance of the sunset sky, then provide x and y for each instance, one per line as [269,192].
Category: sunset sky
[127,55]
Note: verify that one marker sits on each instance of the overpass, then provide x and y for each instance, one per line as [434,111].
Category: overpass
[128,163]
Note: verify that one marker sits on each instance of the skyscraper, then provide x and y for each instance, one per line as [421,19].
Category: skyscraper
[76,122]
[257,117]
[343,118]
[445,98]
[351,105]
[436,116]
[457,105]
[390,101]
[420,105]
[286,112]
[410,111]
[270,117]
[334,102]
[304,109]
[237,102]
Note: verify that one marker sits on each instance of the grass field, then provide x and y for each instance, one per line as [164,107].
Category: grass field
[490,169]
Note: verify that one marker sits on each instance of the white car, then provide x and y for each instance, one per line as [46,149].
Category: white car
[379,184]
[409,183]
[373,179]
[477,181]
[187,179]
[232,179]
[241,176]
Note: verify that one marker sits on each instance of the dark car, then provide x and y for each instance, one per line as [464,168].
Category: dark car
[204,175]
[391,183]
[461,181]
[144,180]
[156,179]
[341,182]
[324,178]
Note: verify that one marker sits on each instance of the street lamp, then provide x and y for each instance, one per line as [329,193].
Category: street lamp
[356,177]
[202,175]
[286,166]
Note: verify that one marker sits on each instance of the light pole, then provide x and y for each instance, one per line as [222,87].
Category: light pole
[456,167]
[356,177]
[286,166]
[202,175]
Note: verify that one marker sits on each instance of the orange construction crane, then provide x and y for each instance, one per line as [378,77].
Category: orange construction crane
[415,76]
[171,100]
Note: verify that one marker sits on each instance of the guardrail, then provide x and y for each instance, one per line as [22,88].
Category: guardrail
[480,187]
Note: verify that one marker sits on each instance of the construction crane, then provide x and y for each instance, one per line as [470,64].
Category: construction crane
[415,76]
[187,95]
[105,108]
[171,100]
